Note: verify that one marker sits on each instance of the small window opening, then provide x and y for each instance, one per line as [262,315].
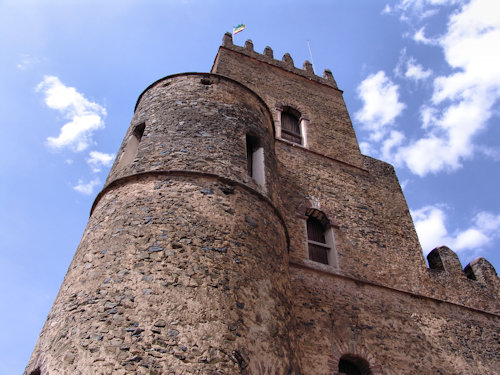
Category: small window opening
[255,159]
[132,146]
[205,81]
[36,372]
[290,126]
[320,238]
[351,365]
[318,249]
[139,131]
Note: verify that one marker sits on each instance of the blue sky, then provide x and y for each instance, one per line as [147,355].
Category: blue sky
[421,80]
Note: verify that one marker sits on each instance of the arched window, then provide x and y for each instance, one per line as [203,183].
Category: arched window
[353,365]
[320,239]
[290,126]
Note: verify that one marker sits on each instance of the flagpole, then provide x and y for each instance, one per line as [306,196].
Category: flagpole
[310,53]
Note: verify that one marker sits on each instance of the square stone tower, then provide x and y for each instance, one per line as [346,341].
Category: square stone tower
[241,231]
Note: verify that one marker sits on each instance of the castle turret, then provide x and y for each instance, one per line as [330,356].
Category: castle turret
[183,264]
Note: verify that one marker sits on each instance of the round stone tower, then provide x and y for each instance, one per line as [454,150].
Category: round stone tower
[182,268]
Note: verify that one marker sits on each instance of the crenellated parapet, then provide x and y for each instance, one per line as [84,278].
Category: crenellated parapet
[286,63]
[444,259]
[469,285]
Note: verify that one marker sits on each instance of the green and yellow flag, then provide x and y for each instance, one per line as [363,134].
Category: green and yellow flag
[238,28]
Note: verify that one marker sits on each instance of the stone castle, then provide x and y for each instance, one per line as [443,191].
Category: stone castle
[241,231]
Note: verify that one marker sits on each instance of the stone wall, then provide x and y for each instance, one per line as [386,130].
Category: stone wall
[375,236]
[397,333]
[380,302]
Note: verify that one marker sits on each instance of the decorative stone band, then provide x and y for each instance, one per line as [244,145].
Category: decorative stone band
[295,145]
[192,174]
[336,272]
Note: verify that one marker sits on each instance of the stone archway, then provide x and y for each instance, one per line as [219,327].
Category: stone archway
[352,353]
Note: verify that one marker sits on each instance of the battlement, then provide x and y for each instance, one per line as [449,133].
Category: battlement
[286,63]
[469,284]
[443,259]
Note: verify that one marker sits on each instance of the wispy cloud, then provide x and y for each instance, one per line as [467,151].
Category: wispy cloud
[87,188]
[420,37]
[431,226]
[27,61]
[408,67]
[415,71]
[98,159]
[381,104]
[461,103]
[84,117]
[420,9]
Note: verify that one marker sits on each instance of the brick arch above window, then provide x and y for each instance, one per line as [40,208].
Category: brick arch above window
[306,209]
[354,353]
[303,114]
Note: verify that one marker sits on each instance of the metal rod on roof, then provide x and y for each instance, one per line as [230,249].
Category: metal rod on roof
[310,53]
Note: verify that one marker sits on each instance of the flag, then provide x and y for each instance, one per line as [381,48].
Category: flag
[238,28]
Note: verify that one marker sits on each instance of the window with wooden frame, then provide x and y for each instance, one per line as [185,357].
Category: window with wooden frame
[320,240]
[290,125]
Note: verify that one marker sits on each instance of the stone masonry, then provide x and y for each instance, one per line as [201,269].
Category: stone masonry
[197,255]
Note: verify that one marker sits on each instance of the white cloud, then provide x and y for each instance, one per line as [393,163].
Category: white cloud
[387,9]
[449,138]
[488,222]
[421,9]
[470,239]
[84,117]
[366,148]
[462,101]
[404,184]
[394,140]
[381,104]
[430,223]
[99,159]
[420,37]
[430,227]
[87,188]
[416,71]
[408,67]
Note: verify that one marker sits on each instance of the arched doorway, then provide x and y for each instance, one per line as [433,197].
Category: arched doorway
[353,365]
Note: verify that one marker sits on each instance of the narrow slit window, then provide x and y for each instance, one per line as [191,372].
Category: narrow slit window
[132,146]
[139,131]
[251,147]
[255,159]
